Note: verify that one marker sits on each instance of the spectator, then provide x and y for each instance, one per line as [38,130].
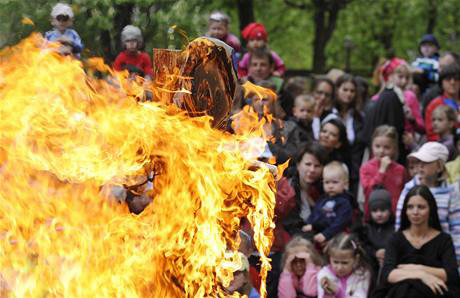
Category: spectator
[395,74]
[333,213]
[241,282]
[431,172]
[382,169]
[132,59]
[427,65]
[304,178]
[420,257]
[447,58]
[218,23]
[323,92]
[348,273]
[453,167]
[62,21]
[256,37]
[301,264]
[443,119]
[333,137]
[450,84]
[375,234]
[261,68]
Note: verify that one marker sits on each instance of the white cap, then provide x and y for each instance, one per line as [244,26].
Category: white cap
[131,32]
[431,151]
[61,9]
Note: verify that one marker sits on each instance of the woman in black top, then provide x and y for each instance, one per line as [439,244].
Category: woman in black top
[420,259]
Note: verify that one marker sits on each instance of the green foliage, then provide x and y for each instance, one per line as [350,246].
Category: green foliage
[376,28]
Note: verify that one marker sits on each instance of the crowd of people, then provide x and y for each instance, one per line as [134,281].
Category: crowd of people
[370,203]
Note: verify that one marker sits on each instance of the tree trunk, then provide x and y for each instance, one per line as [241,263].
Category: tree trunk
[325,20]
[123,14]
[245,12]
[432,16]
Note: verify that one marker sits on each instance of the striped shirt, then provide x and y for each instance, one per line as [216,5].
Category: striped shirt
[55,35]
[448,201]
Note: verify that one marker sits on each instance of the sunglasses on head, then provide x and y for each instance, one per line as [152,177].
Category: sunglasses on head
[62,18]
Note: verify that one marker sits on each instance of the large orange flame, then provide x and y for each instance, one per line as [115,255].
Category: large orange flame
[64,135]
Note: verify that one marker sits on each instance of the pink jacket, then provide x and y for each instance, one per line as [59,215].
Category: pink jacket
[412,102]
[289,284]
[243,66]
[393,180]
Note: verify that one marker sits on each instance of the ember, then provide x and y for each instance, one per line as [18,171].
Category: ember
[64,135]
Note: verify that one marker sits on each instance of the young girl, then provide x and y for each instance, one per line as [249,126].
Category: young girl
[396,74]
[256,37]
[348,273]
[301,264]
[382,169]
[443,120]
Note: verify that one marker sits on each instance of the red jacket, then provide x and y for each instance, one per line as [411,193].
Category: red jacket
[140,60]
[393,180]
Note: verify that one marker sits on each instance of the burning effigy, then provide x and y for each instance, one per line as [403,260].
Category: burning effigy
[66,135]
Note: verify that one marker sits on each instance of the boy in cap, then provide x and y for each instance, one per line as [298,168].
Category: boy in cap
[375,234]
[132,59]
[427,65]
[431,172]
[256,37]
[62,20]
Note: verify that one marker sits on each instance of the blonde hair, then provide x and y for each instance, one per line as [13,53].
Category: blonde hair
[344,241]
[306,246]
[306,98]
[448,111]
[337,166]
[389,132]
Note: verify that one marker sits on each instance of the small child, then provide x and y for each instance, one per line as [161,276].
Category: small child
[348,274]
[377,231]
[382,169]
[241,283]
[427,65]
[132,59]
[298,129]
[256,37]
[333,213]
[62,20]
[443,120]
[218,28]
[301,264]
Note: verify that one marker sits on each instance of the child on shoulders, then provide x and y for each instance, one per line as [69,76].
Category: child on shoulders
[218,28]
[62,21]
[301,264]
[427,65]
[348,274]
[333,213]
[256,37]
